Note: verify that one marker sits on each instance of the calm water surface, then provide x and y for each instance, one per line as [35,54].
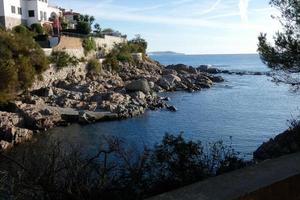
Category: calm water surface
[251,109]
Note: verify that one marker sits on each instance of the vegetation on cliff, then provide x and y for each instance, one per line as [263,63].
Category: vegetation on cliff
[62,59]
[116,171]
[88,45]
[21,60]
[123,52]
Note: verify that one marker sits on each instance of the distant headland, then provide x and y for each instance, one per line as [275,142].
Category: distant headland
[164,53]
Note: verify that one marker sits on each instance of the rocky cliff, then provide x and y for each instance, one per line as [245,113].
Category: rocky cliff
[74,96]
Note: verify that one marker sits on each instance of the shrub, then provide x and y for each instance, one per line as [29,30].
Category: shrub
[111,62]
[120,53]
[37,28]
[62,59]
[117,171]
[138,45]
[21,59]
[21,29]
[94,66]
[88,44]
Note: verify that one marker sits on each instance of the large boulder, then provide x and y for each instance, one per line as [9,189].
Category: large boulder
[169,82]
[209,69]
[217,79]
[285,143]
[138,85]
[43,92]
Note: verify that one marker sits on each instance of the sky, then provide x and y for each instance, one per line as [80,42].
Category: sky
[185,26]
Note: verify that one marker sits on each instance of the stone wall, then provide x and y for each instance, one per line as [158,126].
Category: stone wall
[51,75]
[108,42]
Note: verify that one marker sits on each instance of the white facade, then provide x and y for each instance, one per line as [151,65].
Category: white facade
[27,12]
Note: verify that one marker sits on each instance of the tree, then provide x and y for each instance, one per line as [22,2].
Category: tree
[83,27]
[97,28]
[284,56]
[84,23]
[21,59]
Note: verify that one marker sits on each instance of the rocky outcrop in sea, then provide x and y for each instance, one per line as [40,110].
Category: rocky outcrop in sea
[75,96]
[285,143]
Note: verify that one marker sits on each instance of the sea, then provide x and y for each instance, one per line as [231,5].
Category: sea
[244,111]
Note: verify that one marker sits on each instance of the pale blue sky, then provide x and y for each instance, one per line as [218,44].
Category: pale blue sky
[187,26]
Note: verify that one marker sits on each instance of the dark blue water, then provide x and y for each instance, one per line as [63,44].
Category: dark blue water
[251,109]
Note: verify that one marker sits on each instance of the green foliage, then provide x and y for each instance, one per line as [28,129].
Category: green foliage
[117,171]
[84,23]
[64,25]
[37,28]
[21,59]
[285,54]
[111,62]
[21,29]
[62,59]
[89,45]
[123,53]
[94,66]
[97,28]
[83,27]
[138,45]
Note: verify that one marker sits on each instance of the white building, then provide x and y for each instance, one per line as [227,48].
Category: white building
[27,12]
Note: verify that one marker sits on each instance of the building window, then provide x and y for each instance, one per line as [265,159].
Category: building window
[41,15]
[20,11]
[13,9]
[45,16]
[30,13]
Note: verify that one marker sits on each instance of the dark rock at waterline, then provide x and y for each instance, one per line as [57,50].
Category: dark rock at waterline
[217,79]
[285,143]
[172,108]
[208,69]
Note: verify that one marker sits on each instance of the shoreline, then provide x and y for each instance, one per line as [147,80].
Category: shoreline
[84,98]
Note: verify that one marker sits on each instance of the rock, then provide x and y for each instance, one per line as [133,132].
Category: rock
[285,143]
[203,68]
[43,92]
[69,114]
[217,79]
[138,95]
[178,67]
[165,98]
[172,108]
[168,82]
[151,84]
[192,70]
[169,71]
[22,135]
[4,145]
[208,69]
[138,85]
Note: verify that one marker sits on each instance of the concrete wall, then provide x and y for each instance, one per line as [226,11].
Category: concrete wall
[108,42]
[236,184]
[1,8]
[13,19]
[71,45]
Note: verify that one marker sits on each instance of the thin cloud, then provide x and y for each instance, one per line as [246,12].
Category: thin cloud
[243,5]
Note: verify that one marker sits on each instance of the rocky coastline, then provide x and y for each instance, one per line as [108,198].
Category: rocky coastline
[81,97]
